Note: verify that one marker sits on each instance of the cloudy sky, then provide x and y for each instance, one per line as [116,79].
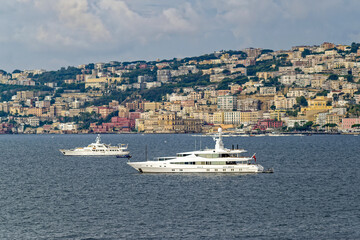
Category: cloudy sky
[49,34]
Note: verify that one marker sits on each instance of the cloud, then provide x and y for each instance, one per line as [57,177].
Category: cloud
[76,15]
[97,30]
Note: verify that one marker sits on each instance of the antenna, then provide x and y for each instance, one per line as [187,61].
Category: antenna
[146,153]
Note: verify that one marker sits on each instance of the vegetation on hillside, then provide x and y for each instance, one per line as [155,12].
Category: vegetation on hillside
[57,76]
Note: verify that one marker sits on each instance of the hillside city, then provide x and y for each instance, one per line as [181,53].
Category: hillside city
[310,89]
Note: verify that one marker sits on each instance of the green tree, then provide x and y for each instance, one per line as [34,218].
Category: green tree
[350,78]
[57,76]
[353,110]
[292,113]
[354,47]
[333,77]
[265,51]
[322,93]
[302,101]
[330,125]
[305,53]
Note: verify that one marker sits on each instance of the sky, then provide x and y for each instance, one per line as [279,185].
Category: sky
[50,34]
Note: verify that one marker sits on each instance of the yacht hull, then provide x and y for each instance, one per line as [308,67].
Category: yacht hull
[92,153]
[147,167]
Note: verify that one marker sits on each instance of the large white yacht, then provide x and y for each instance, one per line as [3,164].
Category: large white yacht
[98,149]
[218,160]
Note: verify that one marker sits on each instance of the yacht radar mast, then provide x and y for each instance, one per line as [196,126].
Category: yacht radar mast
[219,145]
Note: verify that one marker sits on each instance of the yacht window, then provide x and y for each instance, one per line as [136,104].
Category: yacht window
[183,154]
[230,163]
[211,155]
[218,163]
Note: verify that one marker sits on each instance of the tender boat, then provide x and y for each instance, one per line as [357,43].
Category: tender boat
[218,160]
[99,149]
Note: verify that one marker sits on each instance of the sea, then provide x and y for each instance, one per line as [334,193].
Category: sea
[314,192]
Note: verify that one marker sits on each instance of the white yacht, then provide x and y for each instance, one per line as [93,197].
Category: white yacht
[99,149]
[218,160]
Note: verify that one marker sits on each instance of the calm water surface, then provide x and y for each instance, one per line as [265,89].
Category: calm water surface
[313,194]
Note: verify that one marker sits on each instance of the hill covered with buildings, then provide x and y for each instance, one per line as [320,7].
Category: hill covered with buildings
[307,88]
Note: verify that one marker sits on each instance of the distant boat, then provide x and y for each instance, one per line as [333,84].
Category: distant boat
[98,149]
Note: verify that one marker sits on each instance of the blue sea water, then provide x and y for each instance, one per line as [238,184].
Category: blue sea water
[313,194]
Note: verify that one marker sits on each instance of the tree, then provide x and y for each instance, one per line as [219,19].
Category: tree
[302,101]
[330,125]
[350,78]
[292,113]
[305,53]
[273,107]
[57,76]
[226,72]
[353,109]
[322,93]
[3,114]
[354,47]
[315,126]
[333,77]
[265,51]
[298,70]
[306,127]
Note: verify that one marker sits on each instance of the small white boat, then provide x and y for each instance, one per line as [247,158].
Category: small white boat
[98,149]
[218,160]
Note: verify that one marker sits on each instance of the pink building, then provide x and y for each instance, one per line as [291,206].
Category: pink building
[348,122]
[267,123]
[117,124]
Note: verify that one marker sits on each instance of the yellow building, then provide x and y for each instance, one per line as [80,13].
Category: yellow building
[218,117]
[101,82]
[333,118]
[277,114]
[96,83]
[167,122]
[13,110]
[36,111]
[152,106]
[317,104]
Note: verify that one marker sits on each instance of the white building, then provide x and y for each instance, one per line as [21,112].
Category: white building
[68,126]
[227,102]
[267,90]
